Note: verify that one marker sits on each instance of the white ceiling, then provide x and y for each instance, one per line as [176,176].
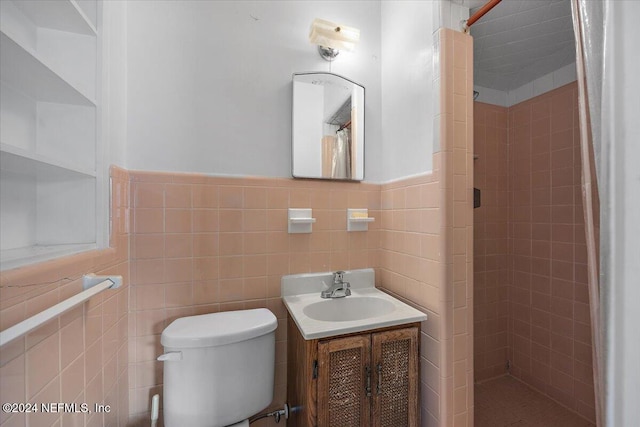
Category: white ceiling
[521,40]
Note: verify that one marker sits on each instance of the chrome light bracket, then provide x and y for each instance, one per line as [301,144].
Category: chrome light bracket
[328,53]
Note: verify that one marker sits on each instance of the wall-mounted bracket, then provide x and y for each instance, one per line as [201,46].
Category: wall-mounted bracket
[90,280]
[300,221]
[358,219]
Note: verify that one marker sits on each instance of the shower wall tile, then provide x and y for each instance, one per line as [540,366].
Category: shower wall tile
[549,329]
[491,240]
[529,243]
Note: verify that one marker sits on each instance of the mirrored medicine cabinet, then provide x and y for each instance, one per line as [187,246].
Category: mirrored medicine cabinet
[328,127]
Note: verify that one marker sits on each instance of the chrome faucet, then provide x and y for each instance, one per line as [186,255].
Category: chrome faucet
[339,289]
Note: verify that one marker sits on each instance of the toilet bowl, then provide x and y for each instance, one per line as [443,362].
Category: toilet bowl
[218,368]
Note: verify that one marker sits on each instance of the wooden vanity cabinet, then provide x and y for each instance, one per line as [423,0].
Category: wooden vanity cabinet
[363,379]
[344,376]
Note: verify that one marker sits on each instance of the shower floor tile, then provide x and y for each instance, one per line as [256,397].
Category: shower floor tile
[506,401]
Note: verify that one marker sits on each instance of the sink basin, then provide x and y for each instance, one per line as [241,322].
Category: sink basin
[348,309]
[366,309]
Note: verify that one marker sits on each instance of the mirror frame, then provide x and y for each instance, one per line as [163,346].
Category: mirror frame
[364,118]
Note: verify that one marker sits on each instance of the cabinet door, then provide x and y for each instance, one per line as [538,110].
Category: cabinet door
[395,374]
[344,375]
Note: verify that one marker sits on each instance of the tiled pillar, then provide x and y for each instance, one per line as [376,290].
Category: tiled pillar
[454,121]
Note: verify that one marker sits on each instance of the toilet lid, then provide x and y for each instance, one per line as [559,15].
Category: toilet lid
[215,329]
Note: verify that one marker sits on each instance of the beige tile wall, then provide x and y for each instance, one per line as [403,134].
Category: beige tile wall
[228,240]
[80,356]
[201,244]
[205,244]
[411,269]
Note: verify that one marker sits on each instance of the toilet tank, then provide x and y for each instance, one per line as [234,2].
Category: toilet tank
[218,368]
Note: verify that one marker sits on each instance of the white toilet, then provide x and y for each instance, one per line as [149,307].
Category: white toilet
[218,368]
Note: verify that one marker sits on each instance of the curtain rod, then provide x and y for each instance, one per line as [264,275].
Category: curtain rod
[346,125]
[479,14]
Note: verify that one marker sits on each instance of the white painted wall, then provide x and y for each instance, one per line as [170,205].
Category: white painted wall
[407,75]
[620,211]
[546,83]
[209,83]
[114,81]
[451,13]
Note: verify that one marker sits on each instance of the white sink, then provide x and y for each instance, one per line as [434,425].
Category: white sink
[365,309]
[348,308]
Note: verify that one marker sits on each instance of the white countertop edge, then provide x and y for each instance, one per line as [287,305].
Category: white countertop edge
[317,329]
[359,328]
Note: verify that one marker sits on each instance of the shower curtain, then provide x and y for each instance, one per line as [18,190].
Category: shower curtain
[589,25]
[341,161]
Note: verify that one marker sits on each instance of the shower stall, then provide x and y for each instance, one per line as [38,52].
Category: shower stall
[531,298]
[532,312]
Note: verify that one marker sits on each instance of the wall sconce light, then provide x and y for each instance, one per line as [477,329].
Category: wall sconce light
[331,38]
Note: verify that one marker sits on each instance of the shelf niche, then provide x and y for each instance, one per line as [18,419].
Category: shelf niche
[48,129]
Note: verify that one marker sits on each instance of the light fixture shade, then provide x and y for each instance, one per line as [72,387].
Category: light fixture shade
[335,36]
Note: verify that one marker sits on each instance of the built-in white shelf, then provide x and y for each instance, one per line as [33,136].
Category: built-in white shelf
[63,15]
[51,189]
[21,68]
[23,161]
[45,211]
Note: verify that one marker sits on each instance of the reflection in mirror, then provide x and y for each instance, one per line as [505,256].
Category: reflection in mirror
[328,127]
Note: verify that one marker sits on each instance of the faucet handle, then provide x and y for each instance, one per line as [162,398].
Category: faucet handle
[347,288]
[338,276]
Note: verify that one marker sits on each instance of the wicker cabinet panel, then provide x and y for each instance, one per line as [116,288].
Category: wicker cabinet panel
[343,375]
[355,380]
[395,369]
